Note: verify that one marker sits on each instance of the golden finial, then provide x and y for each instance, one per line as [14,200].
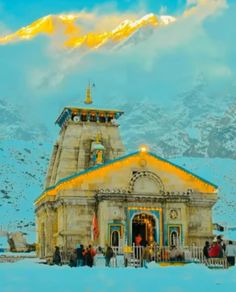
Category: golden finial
[88,98]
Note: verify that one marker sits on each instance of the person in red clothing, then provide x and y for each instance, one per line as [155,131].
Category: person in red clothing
[138,239]
[214,250]
[89,255]
[138,248]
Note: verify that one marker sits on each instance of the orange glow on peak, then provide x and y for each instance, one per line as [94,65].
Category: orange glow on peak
[75,35]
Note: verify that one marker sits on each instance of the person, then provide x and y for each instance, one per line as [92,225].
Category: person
[80,255]
[73,259]
[146,255]
[99,250]
[92,251]
[206,249]
[99,258]
[57,256]
[156,251]
[138,239]
[89,255]
[230,252]
[214,251]
[222,246]
[108,255]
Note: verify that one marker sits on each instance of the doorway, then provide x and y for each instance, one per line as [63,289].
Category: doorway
[144,224]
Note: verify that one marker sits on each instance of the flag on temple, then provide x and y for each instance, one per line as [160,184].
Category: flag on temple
[95,227]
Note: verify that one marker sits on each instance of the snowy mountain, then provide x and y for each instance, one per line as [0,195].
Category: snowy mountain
[192,126]
[14,126]
[198,123]
[23,167]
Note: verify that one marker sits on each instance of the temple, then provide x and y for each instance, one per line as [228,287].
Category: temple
[95,193]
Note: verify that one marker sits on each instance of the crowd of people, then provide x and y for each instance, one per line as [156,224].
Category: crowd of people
[146,252]
[218,249]
[82,256]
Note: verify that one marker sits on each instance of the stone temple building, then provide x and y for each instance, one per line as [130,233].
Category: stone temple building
[95,193]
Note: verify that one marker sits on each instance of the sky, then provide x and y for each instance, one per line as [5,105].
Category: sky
[156,65]
[20,12]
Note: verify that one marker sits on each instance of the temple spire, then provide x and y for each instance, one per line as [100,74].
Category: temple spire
[88,98]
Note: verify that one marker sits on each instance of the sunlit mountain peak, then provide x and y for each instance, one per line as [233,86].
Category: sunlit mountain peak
[73,36]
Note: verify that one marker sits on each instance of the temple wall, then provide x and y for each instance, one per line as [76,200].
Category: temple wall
[74,225]
[46,231]
[200,225]
[179,219]
[71,223]
[110,213]
[51,165]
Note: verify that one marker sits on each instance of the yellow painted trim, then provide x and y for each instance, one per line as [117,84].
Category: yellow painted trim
[167,264]
[153,161]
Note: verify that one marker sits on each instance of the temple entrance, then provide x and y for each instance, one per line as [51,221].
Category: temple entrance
[145,225]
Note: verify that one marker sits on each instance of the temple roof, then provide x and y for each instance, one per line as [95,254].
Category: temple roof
[208,185]
[69,111]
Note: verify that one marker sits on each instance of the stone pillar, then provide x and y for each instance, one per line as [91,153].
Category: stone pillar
[49,231]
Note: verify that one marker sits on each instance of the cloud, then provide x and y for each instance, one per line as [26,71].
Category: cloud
[204,8]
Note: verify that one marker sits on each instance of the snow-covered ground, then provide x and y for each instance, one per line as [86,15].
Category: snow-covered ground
[28,275]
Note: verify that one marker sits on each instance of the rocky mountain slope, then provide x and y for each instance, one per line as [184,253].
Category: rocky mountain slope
[23,167]
[195,125]
[198,123]
[13,125]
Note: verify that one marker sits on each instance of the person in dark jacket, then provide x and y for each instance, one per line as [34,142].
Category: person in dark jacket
[80,255]
[108,255]
[89,254]
[222,246]
[206,249]
[57,256]
[73,259]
